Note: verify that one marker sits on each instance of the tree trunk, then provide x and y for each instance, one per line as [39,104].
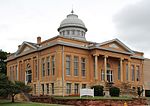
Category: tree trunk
[12,99]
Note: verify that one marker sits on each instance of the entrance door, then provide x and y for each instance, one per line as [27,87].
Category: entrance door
[109,76]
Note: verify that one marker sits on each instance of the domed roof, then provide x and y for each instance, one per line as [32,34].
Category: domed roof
[72,20]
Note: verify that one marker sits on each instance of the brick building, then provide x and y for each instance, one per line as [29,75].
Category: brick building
[65,63]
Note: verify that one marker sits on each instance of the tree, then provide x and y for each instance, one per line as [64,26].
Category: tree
[12,88]
[3,57]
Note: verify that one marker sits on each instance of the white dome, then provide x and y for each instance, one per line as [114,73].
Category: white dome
[72,27]
[72,20]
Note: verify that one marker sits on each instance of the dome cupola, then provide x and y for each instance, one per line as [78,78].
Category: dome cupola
[72,27]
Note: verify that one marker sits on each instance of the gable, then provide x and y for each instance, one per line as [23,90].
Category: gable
[115,45]
[25,47]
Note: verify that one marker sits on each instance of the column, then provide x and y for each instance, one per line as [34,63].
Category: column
[129,72]
[121,69]
[105,67]
[96,75]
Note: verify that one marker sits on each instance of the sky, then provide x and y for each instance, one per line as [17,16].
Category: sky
[25,20]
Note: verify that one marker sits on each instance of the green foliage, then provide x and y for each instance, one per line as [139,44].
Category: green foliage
[98,90]
[114,91]
[12,88]
[3,56]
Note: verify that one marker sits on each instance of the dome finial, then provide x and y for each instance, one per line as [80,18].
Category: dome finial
[72,10]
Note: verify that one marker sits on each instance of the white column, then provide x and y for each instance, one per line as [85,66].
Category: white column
[121,69]
[96,76]
[105,67]
[129,72]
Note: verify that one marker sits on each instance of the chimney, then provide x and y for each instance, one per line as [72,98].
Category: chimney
[38,40]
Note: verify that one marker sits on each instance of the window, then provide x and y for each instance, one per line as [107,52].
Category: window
[68,90]
[20,71]
[36,68]
[52,84]
[42,89]
[47,88]
[43,67]
[83,67]
[53,65]
[11,74]
[94,65]
[28,76]
[48,66]
[109,76]
[76,64]
[133,72]
[138,73]
[102,75]
[68,65]
[34,88]
[76,88]
[127,72]
[119,72]
[73,32]
[83,85]
[67,32]
[16,72]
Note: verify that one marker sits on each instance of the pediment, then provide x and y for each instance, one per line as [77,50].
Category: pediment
[25,47]
[115,45]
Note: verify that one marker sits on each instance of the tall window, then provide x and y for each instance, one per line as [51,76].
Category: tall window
[127,72]
[133,72]
[109,76]
[43,67]
[53,65]
[83,67]
[42,89]
[102,75]
[94,65]
[76,88]
[16,72]
[68,65]
[119,72]
[138,73]
[76,64]
[52,85]
[11,73]
[28,76]
[36,68]
[34,88]
[48,65]
[68,90]
[47,88]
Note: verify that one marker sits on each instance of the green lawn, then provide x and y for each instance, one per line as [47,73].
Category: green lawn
[8,103]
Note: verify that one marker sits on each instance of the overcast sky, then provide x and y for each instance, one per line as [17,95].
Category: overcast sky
[127,20]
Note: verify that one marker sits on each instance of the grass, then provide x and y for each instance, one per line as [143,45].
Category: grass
[94,98]
[8,103]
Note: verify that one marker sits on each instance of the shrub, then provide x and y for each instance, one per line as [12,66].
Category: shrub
[147,93]
[98,90]
[114,91]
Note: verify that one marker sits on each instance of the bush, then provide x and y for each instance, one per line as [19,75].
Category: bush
[98,90]
[147,93]
[114,91]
